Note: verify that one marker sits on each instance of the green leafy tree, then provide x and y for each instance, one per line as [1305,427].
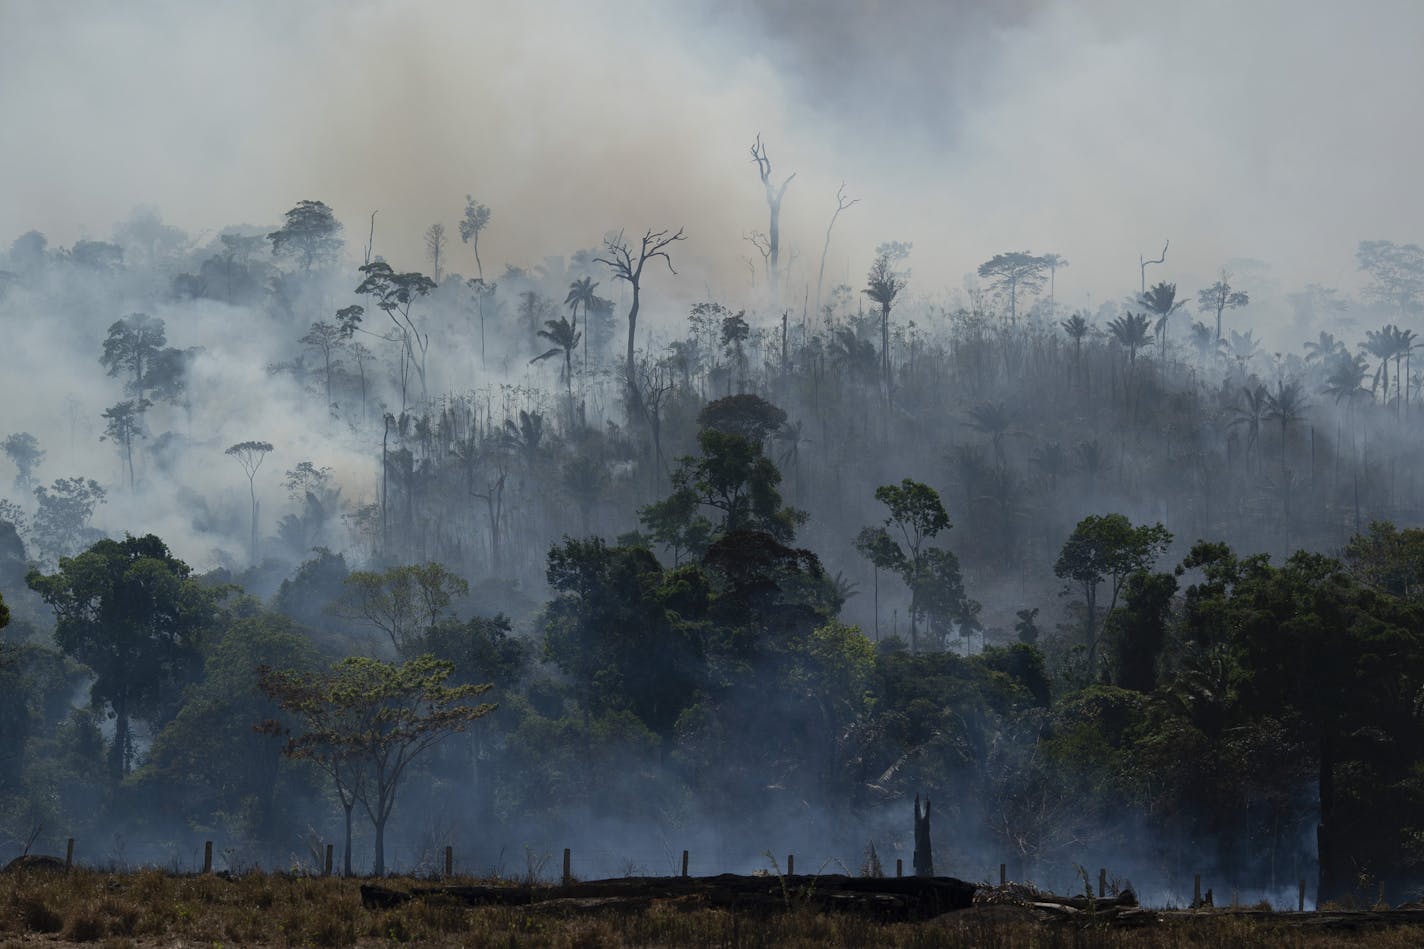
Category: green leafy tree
[1109,549]
[732,477]
[24,452]
[364,723]
[134,614]
[395,294]
[476,219]
[132,346]
[402,602]
[61,524]
[623,630]
[1219,297]
[932,574]
[1016,272]
[125,426]
[309,234]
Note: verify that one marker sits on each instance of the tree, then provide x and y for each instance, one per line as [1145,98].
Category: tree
[1286,405]
[365,721]
[883,285]
[1130,332]
[23,450]
[1396,274]
[842,204]
[618,257]
[1219,297]
[732,476]
[434,247]
[1077,328]
[311,234]
[249,455]
[402,602]
[917,516]
[125,423]
[565,336]
[774,194]
[133,613]
[1143,263]
[1106,548]
[1162,300]
[62,515]
[476,219]
[133,344]
[326,340]
[581,294]
[396,293]
[1015,271]
[1054,263]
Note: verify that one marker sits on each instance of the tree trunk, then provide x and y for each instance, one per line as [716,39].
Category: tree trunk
[346,857]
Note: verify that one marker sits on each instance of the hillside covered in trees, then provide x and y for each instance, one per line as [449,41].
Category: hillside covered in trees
[331,530]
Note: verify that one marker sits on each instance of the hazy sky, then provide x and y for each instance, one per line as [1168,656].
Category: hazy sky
[1285,131]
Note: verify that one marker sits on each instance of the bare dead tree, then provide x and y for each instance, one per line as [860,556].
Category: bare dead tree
[1142,264]
[841,205]
[759,240]
[619,257]
[655,381]
[774,194]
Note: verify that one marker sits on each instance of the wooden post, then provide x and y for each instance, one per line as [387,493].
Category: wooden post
[1302,895]
[207,856]
[790,864]
[326,868]
[568,878]
[1102,882]
[1003,874]
[899,866]
[1196,891]
[69,854]
[684,863]
[449,860]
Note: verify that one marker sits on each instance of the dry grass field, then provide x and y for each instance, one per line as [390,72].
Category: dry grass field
[153,908]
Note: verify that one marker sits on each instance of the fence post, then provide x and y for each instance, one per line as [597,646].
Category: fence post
[568,878]
[1196,891]
[1302,894]
[684,863]
[326,868]
[791,864]
[69,854]
[1003,874]
[899,867]
[1102,882]
[207,856]
[449,860]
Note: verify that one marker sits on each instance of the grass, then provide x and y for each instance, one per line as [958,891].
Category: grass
[151,908]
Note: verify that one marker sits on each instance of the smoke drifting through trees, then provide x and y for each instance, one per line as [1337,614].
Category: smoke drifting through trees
[660,555]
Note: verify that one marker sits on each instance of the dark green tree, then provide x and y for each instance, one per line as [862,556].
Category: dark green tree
[134,614]
[1106,548]
[310,234]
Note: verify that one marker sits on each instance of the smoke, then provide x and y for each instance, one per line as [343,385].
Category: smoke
[1271,131]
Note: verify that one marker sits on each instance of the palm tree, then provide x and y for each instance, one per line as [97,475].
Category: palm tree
[1052,460]
[994,420]
[1323,348]
[1347,376]
[1243,347]
[1077,328]
[1161,299]
[1381,344]
[1249,412]
[565,336]
[1286,405]
[1204,342]
[581,294]
[883,285]
[1130,332]
[791,436]
[1404,342]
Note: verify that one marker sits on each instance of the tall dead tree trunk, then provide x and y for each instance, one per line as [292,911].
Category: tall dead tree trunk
[619,257]
[774,194]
